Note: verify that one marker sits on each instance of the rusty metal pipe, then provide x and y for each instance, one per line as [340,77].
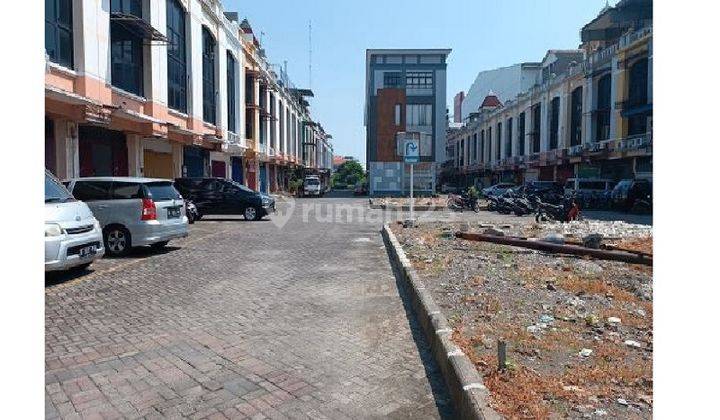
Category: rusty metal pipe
[558,248]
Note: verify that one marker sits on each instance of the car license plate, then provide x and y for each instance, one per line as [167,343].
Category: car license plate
[87,251]
[173,212]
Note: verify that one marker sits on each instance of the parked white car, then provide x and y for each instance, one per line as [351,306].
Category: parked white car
[133,211]
[73,237]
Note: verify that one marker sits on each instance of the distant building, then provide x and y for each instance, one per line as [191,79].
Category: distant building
[588,112]
[506,82]
[457,106]
[405,96]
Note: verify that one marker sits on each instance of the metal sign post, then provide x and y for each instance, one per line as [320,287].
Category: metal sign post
[412,156]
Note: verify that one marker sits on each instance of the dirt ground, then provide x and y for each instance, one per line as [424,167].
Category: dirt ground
[578,331]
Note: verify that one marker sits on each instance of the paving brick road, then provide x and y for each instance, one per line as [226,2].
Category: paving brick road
[241,319]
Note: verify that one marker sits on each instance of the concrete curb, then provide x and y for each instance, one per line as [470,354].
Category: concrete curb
[462,379]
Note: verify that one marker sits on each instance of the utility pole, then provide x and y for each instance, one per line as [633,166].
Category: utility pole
[310,54]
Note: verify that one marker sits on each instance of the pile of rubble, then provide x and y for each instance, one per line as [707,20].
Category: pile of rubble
[609,230]
[578,331]
[404,201]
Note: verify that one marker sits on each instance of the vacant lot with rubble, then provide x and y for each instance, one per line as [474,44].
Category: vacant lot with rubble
[578,330]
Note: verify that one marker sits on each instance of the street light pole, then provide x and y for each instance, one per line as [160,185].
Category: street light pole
[412,200]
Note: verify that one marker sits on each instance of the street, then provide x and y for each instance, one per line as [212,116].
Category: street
[241,319]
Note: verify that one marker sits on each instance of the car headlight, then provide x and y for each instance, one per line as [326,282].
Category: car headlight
[96,223]
[53,229]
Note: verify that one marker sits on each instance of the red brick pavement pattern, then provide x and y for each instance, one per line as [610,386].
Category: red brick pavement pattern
[241,320]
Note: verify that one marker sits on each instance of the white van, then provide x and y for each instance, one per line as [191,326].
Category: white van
[73,237]
[312,186]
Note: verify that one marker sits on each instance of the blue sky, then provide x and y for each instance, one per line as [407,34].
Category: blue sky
[483,35]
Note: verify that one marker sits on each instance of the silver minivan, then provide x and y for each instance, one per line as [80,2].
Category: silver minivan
[133,211]
[73,237]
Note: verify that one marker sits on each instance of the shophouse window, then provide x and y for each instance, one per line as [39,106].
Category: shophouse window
[231,85]
[521,134]
[475,147]
[419,80]
[482,145]
[392,79]
[576,117]
[58,32]
[398,114]
[554,122]
[535,134]
[498,151]
[508,137]
[176,57]
[638,86]
[418,114]
[208,76]
[602,112]
[126,48]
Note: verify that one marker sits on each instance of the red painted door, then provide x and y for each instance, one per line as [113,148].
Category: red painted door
[218,168]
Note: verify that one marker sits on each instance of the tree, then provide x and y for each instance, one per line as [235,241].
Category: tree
[349,173]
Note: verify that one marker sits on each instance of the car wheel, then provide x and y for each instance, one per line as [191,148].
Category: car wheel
[159,245]
[251,213]
[117,240]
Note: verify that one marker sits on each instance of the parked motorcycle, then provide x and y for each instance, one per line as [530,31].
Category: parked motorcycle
[191,211]
[642,205]
[565,212]
[462,202]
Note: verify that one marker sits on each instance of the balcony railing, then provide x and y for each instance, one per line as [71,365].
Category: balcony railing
[630,38]
[236,140]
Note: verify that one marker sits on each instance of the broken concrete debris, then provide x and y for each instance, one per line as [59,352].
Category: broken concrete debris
[573,326]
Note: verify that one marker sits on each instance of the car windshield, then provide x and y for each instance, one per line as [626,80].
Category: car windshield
[162,191]
[55,192]
[312,182]
[243,187]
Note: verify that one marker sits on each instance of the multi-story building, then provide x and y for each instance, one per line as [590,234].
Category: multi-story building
[405,96]
[166,88]
[506,82]
[589,113]
[457,106]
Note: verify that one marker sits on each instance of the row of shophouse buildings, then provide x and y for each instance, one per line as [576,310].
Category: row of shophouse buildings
[171,88]
[578,113]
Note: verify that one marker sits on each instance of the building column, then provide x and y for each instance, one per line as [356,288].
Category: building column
[544,120]
[135,155]
[177,157]
[528,128]
[67,157]
[514,138]
[618,93]
[563,129]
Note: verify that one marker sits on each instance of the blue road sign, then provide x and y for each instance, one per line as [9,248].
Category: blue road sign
[412,151]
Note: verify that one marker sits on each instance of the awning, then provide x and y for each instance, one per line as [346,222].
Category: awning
[638,110]
[138,26]
[58,94]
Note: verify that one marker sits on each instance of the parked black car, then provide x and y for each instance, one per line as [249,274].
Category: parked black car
[224,196]
[543,187]
[627,191]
